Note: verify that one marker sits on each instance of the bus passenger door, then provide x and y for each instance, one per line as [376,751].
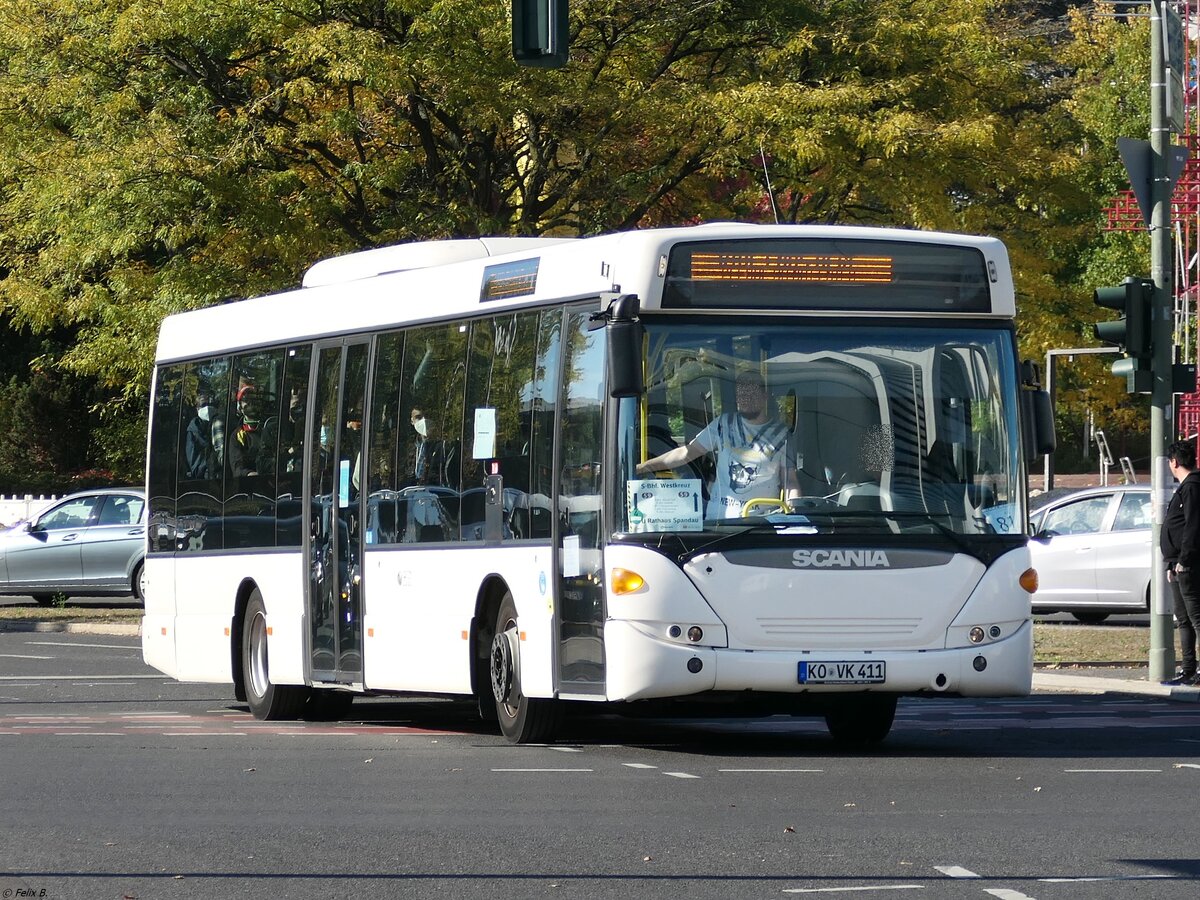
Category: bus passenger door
[334,537]
[580,533]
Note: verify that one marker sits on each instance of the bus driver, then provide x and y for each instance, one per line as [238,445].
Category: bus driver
[751,449]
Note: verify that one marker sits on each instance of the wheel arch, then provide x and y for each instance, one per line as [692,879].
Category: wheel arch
[241,599]
[487,605]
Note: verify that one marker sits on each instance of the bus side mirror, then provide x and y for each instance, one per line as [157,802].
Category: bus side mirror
[624,334]
[1037,414]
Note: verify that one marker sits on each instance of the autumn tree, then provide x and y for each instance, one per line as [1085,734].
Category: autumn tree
[162,155]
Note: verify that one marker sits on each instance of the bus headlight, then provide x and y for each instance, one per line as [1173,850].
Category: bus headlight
[975,635]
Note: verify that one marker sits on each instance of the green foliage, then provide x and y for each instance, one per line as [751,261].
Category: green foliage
[164,155]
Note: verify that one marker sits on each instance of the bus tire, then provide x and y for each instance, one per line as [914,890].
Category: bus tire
[857,721]
[266,700]
[522,720]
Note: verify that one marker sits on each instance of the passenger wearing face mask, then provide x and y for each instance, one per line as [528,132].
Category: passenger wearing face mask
[201,443]
[248,438]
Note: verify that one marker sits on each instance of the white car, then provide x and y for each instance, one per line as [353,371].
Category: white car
[1091,549]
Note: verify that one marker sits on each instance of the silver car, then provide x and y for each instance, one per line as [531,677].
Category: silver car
[87,544]
[1091,550]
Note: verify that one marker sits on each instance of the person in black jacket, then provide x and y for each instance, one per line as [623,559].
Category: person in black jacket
[1181,551]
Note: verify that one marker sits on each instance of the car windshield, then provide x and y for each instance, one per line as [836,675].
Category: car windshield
[865,428]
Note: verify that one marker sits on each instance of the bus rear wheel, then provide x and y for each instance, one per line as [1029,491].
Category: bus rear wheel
[522,720]
[266,700]
[857,721]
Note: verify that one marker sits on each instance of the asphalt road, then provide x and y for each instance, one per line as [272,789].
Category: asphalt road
[120,783]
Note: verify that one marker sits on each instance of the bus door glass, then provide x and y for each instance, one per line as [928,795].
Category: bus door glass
[335,538]
[581,609]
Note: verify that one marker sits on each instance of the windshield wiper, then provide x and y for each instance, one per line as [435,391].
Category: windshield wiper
[956,538]
[743,525]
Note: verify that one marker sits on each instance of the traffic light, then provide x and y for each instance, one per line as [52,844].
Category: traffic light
[539,33]
[1133,297]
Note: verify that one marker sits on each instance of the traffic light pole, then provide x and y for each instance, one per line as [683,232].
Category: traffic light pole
[1162,651]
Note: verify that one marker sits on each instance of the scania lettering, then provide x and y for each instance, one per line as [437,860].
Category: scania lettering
[824,559]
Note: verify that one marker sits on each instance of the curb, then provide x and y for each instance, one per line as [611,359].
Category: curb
[128,629]
[1091,684]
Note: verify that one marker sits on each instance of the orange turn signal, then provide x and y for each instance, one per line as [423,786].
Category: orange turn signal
[1029,580]
[623,581]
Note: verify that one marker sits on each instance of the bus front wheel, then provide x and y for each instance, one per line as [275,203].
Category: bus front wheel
[856,721]
[266,700]
[522,720]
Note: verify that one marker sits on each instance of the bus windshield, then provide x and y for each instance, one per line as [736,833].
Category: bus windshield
[868,427]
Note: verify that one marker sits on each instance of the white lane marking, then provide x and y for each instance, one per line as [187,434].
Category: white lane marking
[956,872]
[203,734]
[154,715]
[567,749]
[680,775]
[543,770]
[1187,766]
[1117,771]
[22,656]
[67,644]
[639,765]
[1007,894]
[71,677]
[771,770]
[847,890]
[1104,878]
[101,684]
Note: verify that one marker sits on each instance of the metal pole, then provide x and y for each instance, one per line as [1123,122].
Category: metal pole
[1162,652]
[1051,355]
[1048,480]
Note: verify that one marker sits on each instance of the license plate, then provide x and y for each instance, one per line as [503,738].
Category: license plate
[841,673]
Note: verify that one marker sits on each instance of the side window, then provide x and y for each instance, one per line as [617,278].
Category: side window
[496,430]
[1133,513]
[543,406]
[1081,517]
[429,453]
[289,466]
[72,514]
[165,434]
[385,424]
[202,462]
[252,449]
[120,509]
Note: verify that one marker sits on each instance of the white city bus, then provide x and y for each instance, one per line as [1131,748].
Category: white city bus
[418,473]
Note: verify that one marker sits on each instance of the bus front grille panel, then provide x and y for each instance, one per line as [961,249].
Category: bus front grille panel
[826,627]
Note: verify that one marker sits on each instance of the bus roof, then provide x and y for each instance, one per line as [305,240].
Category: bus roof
[429,281]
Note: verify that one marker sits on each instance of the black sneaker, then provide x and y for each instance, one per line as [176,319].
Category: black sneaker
[1183,678]
[1193,680]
